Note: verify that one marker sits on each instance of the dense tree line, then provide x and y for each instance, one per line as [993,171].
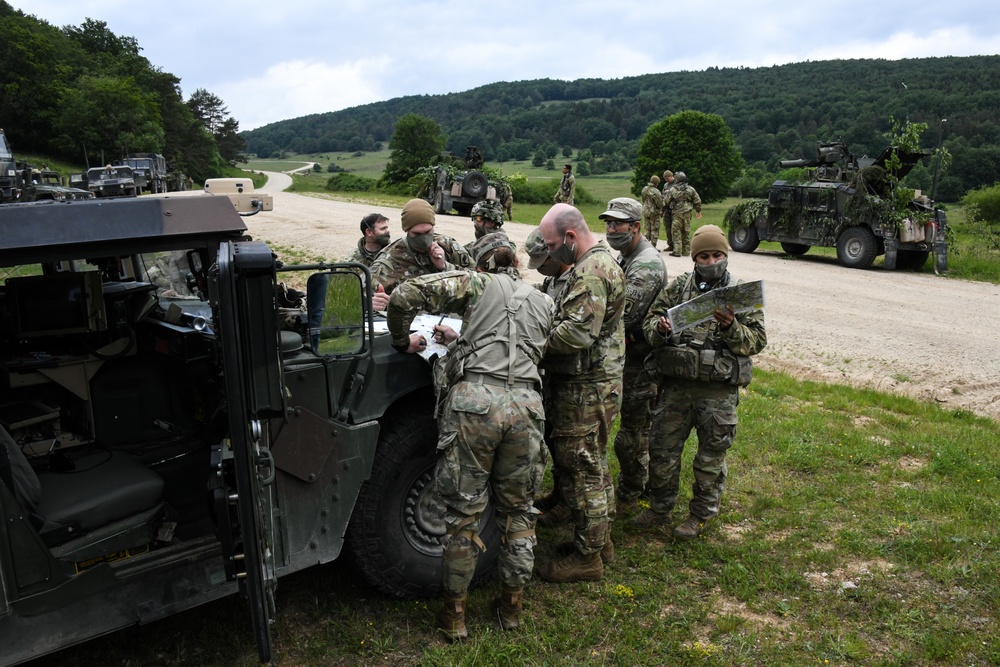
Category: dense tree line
[774,113]
[86,95]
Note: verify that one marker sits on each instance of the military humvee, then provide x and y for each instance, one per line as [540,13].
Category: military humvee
[458,184]
[180,423]
[111,181]
[47,184]
[843,204]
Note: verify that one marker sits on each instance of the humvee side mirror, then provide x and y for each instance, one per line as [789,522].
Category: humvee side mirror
[335,313]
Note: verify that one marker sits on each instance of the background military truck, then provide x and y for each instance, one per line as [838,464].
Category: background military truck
[8,171]
[45,184]
[111,181]
[847,203]
[171,435]
[458,183]
[149,171]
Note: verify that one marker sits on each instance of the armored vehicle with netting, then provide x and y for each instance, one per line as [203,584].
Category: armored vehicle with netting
[850,204]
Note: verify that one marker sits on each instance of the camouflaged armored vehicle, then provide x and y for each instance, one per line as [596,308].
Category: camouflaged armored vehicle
[45,184]
[179,423]
[458,184]
[844,203]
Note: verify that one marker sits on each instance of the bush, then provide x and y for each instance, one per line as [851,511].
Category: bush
[542,192]
[344,182]
[986,203]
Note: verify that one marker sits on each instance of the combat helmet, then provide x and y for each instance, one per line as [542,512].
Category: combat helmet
[680,177]
[490,209]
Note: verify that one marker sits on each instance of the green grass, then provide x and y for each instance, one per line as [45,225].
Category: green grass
[857,528]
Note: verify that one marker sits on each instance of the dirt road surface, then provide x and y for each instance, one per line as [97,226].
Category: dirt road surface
[921,335]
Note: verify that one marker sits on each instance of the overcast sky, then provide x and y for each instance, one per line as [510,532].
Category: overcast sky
[273,60]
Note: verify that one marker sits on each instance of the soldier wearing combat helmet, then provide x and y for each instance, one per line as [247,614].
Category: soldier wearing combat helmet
[487,217]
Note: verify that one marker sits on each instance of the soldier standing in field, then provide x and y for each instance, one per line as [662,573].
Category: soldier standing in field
[652,208]
[567,187]
[583,370]
[703,368]
[645,276]
[682,199]
[668,183]
[418,253]
[491,426]
[374,237]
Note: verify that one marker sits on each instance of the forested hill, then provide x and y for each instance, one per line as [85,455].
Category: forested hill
[774,112]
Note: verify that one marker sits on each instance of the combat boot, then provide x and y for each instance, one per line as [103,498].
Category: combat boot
[556,516]
[608,550]
[547,502]
[650,519]
[451,619]
[569,547]
[690,529]
[508,607]
[575,567]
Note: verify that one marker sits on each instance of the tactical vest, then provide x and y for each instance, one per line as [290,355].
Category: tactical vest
[699,354]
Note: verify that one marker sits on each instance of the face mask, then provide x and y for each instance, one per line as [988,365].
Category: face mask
[382,240]
[420,242]
[712,272]
[480,231]
[549,267]
[564,254]
[619,240]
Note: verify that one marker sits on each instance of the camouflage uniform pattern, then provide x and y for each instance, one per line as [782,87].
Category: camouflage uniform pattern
[652,208]
[507,199]
[667,215]
[490,430]
[567,190]
[362,255]
[707,407]
[645,276]
[584,364]
[682,200]
[397,263]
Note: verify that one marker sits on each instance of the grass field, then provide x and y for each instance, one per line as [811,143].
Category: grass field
[857,528]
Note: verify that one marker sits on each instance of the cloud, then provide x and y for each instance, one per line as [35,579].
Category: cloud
[301,87]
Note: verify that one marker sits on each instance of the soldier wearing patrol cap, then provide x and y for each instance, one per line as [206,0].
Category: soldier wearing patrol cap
[645,276]
[652,208]
[490,428]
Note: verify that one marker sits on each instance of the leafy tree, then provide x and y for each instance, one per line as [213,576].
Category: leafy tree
[550,164]
[699,144]
[212,112]
[415,142]
[567,151]
[539,158]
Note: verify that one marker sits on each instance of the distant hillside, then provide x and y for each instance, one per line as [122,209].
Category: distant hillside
[774,113]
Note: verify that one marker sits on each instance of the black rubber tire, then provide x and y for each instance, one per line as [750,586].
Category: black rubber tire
[439,202]
[744,239]
[397,527]
[857,247]
[911,260]
[475,184]
[795,249]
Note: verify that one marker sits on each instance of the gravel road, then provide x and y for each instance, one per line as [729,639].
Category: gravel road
[921,335]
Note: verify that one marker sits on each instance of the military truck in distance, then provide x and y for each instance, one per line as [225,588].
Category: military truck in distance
[458,184]
[8,171]
[111,181]
[149,171]
[843,205]
[45,184]
[177,424]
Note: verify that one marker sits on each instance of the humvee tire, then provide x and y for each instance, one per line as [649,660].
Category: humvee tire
[795,249]
[439,203]
[398,523]
[744,239]
[475,184]
[857,247]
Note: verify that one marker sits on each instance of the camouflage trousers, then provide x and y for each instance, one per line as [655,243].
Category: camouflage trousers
[681,232]
[490,441]
[581,417]
[632,440]
[710,409]
[652,225]
[668,225]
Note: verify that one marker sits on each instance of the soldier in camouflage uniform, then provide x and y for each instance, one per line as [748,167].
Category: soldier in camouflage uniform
[567,187]
[491,427]
[583,370]
[419,252]
[681,200]
[645,276]
[668,183]
[652,209]
[374,237]
[704,367]
[487,217]
[507,199]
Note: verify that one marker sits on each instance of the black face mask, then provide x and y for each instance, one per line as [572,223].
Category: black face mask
[383,240]
[420,242]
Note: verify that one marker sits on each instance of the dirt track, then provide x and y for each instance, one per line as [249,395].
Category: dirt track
[921,335]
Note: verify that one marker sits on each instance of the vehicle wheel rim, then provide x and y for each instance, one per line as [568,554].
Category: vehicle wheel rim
[741,235]
[423,516]
[853,248]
